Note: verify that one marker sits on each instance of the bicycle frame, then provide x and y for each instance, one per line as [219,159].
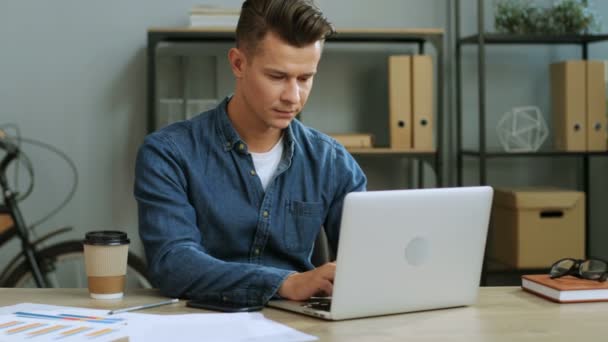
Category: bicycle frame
[10,201]
[11,233]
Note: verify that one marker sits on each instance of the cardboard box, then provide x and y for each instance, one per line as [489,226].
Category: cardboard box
[533,228]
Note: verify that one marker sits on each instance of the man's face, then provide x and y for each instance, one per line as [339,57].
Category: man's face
[277,79]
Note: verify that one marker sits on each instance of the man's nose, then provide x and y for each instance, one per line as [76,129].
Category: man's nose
[291,93]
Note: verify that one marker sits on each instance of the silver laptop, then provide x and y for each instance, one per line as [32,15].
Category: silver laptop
[405,250]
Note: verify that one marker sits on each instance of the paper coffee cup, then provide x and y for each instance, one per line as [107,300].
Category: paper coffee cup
[105,256]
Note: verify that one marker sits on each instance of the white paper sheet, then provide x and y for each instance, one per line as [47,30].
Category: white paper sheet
[41,323]
[211,327]
[248,327]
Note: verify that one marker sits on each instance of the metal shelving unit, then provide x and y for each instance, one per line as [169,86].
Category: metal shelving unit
[481,39]
[418,37]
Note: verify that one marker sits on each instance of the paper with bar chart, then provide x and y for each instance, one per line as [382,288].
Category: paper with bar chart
[66,325]
[41,322]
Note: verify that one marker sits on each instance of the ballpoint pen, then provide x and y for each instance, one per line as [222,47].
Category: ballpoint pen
[145,306]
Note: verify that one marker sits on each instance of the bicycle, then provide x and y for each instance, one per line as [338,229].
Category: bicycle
[60,264]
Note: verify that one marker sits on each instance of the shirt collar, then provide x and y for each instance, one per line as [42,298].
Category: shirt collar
[230,137]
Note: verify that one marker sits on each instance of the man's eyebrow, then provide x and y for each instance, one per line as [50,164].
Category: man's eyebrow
[282,73]
[274,71]
[312,73]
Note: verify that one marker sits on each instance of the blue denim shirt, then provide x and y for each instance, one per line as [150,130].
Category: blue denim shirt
[209,229]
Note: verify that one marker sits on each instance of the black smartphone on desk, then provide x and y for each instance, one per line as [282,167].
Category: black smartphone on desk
[222,306]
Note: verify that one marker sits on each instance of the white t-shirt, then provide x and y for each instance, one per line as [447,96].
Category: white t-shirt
[266,163]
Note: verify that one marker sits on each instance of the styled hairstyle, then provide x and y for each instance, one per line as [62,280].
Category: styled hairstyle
[297,22]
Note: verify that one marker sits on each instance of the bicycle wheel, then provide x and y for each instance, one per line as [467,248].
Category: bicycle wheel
[63,265]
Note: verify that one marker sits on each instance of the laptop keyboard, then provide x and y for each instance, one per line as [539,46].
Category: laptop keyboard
[319,303]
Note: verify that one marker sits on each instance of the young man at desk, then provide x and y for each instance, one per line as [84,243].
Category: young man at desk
[230,202]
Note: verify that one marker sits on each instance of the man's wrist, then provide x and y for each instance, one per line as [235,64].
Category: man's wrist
[285,287]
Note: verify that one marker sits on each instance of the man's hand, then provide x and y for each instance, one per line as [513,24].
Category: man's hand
[301,286]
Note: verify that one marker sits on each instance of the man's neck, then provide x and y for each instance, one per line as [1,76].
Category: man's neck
[259,137]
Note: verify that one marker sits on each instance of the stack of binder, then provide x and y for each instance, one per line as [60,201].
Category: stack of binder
[410,80]
[579,106]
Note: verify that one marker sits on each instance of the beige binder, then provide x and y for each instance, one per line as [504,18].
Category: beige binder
[596,107]
[400,102]
[422,103]
[568,105]
[354,140]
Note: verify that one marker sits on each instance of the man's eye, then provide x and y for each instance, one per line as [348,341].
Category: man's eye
[276,77]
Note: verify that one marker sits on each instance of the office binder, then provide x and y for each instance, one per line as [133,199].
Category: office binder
[568,105]
[422,103]
[354,140]
[400,102]
[596,107]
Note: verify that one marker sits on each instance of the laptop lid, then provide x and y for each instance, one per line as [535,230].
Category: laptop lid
[410,250]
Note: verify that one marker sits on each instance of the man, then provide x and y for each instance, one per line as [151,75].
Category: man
[231,201]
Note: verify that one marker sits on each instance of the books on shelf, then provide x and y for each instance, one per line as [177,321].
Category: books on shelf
[566,289]
[214,16]
[354,140]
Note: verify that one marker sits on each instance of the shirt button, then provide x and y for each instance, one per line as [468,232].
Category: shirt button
[225,299]
[257,251]
[252,172]
[227,144]
[265,213]
[241,147]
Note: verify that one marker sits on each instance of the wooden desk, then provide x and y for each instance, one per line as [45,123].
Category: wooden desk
[502,314]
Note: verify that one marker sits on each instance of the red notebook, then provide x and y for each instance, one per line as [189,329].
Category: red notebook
[566,289]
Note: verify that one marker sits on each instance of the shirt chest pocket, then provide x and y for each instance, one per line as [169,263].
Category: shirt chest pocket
[303,222]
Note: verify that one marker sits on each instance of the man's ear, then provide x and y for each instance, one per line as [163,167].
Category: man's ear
[238,61]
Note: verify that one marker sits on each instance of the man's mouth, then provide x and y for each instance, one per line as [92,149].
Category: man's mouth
[285,112]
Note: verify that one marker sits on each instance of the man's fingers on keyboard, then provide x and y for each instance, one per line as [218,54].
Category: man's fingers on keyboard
[328,271]
[326,288]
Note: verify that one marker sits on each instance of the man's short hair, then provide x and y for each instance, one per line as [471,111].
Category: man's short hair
[297,22]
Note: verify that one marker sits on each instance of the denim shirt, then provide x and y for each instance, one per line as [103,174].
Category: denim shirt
[209,229]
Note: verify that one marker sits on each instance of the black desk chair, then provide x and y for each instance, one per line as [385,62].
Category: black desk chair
[322,253]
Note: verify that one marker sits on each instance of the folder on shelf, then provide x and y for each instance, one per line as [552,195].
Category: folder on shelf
[354,140]
[400,101]
[596,107]
[422,103]
[568,105]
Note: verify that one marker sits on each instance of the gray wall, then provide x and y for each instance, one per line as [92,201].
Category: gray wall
[72,74]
